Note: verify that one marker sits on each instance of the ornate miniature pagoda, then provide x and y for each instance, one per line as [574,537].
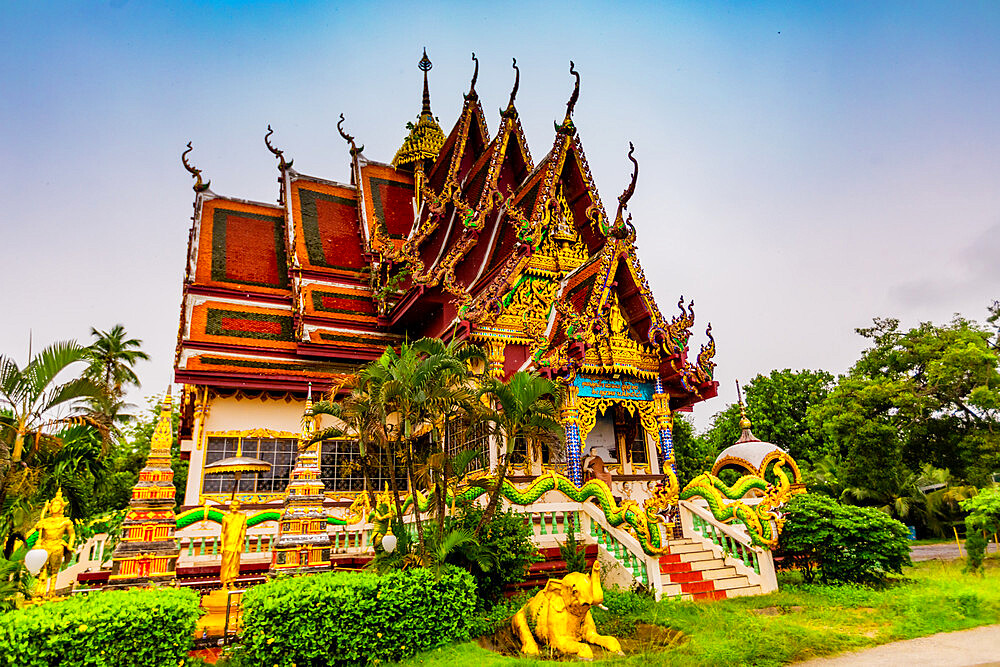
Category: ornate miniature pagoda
[302,538]
[462,236]
[147,552]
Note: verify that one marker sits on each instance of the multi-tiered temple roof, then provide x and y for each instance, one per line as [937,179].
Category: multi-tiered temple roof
[462,235]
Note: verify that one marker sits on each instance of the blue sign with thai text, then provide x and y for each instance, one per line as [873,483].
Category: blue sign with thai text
[595,386]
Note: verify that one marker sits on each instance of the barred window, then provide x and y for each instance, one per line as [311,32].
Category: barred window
[458,436]
[340,468]
[279,452]
[519,451]
[639,452]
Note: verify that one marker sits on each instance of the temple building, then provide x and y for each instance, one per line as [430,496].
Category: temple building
[462,235]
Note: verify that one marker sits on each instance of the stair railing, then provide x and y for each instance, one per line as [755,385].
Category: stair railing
[731,543]
[623,548]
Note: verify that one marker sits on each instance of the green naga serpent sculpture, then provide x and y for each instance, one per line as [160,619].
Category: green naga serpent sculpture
[762,523]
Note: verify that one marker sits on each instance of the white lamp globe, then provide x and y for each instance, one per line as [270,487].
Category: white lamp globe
[35,560]
[389,543]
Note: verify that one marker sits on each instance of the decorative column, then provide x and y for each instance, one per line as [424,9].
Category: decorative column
[570,419]
[495,358]
[665,422]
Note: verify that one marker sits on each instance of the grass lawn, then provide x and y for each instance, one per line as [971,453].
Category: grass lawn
[798,622]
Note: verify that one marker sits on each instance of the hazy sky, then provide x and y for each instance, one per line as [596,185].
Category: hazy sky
[803,167]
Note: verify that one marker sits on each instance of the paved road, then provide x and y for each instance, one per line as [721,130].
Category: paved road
[943,551]
[979,647]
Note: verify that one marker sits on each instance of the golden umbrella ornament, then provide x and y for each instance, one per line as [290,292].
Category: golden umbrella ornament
[238,465]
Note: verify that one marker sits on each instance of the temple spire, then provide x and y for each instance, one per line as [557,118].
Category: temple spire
[622,227]
[424,141]
[746,435]
[567,124]
[198,186]
[425,66]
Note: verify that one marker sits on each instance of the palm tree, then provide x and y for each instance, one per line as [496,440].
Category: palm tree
[30,395]
[523,407]
[29,400]
[417,390]
[359,419]
[111,358]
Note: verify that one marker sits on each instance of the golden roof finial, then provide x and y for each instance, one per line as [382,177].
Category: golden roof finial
[199,186]
[475,76]
[280,155]
[347,137]
[513,92]
[163,432]
[567,124]
[622,228]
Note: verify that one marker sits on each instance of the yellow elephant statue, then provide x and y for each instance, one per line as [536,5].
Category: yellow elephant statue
[559,615]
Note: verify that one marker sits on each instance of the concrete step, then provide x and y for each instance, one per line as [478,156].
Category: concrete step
[731,582]
[688,566]
[682,548]
[722,572]
[671,590]
[695,556]
[744,591]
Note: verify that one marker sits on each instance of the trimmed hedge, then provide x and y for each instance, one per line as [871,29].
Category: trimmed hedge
[842,543]
[135,628]
[343,618]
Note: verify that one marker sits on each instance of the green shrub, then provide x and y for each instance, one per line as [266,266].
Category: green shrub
[507,539]
[983,519]
[841,543]
[135,628]
[574,552]
[349,619]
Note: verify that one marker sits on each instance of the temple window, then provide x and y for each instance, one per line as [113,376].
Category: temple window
[279,452]
[340,467]
[458,436]
[519,451]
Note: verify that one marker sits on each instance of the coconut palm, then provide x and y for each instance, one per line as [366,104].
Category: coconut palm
[523,407]
[112,357]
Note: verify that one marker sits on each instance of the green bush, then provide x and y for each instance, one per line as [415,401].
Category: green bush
[983,520]
[351,619]
[841,543]
[507,539]
[135,628]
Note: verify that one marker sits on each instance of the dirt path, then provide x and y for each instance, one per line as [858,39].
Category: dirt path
[978,647]
[943,551]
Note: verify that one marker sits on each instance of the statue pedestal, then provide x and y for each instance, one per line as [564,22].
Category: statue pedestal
[214,621]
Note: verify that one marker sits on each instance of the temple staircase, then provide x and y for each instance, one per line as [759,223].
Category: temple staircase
[712,561]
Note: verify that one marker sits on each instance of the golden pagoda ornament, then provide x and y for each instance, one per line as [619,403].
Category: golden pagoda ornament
[302,540]
[147,552]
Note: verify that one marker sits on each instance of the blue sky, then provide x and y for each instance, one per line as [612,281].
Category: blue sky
[804,166]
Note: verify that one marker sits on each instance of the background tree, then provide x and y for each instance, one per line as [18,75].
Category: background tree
[111,360]
[929,395]
[693,454]
[777,405]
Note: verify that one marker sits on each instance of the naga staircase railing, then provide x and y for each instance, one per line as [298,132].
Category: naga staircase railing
[731,543]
